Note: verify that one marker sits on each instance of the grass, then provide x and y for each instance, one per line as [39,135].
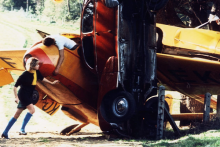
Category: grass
[43,140]
[188,141]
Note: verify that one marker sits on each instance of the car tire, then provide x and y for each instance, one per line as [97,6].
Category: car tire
[117,106]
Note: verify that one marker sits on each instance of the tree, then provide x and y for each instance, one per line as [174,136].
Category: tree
[18,4]
[68,9]
[7,3]
[74,9]
[187,13]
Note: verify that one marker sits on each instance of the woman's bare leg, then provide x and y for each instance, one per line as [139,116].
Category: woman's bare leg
[18,113]
[31,108]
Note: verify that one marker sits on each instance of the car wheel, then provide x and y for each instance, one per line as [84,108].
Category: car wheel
[117,106]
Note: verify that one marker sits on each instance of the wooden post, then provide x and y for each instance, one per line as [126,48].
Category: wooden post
[218,106]
[206,107]
[160,114]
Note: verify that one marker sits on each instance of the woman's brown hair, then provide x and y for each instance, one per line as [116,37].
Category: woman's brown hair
[31,63]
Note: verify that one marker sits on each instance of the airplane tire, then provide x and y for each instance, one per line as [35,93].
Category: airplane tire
[117,106]
[152,108]
[156,5]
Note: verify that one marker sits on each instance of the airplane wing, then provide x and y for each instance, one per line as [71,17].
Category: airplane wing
[10,61]
[189,61]
[190,76]
[196,40]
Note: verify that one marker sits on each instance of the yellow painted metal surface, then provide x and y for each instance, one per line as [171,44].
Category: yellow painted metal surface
[12,59]
[58,92]
[70,35]
[51,51]
[190,38]
[46,104]
[6,77]
[72,67]
[190,76]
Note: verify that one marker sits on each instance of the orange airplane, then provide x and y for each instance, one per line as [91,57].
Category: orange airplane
[111,79]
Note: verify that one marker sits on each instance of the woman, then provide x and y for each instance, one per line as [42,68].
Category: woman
[27,82]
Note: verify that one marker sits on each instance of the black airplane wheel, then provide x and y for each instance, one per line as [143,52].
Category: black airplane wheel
[117,106]
[151,107]
[156,5]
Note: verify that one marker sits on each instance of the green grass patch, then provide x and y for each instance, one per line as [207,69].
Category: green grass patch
[45,140]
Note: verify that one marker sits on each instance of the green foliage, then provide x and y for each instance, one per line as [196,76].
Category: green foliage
[31,10]
[65,11]
[49,8]
[46,10]
[44,140]
[18,3]
[75,9]
[39,9]
[7,3]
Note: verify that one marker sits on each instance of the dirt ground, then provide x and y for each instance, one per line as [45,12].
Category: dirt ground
[41,139]
[46,132]
[89,136]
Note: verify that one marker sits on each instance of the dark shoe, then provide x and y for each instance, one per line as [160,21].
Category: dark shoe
[111,3]
[4,136]
[22,133]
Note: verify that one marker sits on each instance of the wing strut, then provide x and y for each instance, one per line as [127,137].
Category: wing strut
[160,116]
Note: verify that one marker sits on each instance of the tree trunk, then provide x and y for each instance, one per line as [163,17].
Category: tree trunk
[68,6]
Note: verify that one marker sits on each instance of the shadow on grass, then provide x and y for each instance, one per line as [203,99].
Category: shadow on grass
[198,128]
[188,142]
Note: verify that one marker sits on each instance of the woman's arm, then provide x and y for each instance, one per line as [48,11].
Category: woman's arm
[16,96]
[54,82]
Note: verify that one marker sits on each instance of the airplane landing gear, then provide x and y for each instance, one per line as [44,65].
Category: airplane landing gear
[73,129]
[149,115]
[68,129]
[151,107]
